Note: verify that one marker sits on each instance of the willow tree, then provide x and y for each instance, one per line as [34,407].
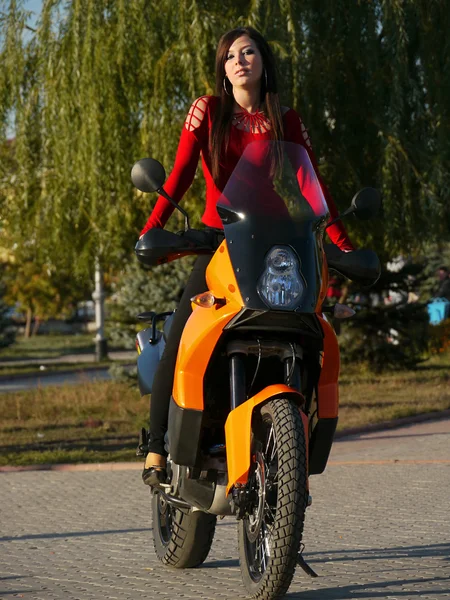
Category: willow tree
[95,86]
[100,83]
[376,86]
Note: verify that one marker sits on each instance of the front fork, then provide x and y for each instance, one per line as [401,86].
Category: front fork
[238,383]
[238,426]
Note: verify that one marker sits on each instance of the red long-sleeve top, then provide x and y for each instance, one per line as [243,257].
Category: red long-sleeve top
[194,142]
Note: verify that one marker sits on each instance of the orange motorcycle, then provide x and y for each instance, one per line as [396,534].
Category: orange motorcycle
[255,399]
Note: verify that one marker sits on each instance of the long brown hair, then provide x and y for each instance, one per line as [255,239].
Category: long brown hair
[220,131]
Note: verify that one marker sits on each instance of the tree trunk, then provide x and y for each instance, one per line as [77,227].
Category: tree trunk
[28,322]
[37,322]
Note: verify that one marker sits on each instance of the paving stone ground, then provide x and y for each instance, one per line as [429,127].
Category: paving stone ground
[377,529]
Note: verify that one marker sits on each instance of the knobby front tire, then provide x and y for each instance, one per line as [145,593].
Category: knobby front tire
[268,554]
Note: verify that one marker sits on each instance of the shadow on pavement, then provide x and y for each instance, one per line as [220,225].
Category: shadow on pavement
[49,536]
[430,551]
[19,592]
[368,590]
[391,437]
[221,564]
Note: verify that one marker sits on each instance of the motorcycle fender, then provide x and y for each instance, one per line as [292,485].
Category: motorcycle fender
[238,431]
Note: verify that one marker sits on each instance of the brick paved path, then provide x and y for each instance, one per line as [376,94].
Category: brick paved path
[376,529]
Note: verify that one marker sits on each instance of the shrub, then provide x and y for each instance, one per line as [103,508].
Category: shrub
[386,337]
[141,289]
[439,336]
[7,329]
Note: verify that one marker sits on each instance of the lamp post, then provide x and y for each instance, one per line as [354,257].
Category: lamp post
[101,344]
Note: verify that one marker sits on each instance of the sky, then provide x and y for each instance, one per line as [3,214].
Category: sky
[35,6]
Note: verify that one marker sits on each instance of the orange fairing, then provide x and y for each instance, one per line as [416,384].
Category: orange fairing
[328,393]
[238,431]
[203,330]
[221,279]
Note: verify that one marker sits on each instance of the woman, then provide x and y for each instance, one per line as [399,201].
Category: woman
[219,127]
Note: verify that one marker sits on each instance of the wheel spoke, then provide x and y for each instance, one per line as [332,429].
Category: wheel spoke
[266,541]
[274,450]
[269,439]
[263,548]
[271,444]
[260,543]
[269,511]
[263,558]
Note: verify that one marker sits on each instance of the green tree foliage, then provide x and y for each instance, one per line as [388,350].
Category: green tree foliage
[7,330]
[140,289]
[388,332]
[99,84]
[395,332]
[40,291]
[435,256]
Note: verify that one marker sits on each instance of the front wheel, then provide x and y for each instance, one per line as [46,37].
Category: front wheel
[270,534]
[182,539]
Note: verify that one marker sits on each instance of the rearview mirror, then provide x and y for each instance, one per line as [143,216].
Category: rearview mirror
[366,204]
[148,175]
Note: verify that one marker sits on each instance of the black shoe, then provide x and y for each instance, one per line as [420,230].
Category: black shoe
[154,476]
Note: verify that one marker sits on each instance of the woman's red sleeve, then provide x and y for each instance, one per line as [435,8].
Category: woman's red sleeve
[179,181]
[295,131]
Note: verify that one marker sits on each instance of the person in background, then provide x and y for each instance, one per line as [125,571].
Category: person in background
[443,290]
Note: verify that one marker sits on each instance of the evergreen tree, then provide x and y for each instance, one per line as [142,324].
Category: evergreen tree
[140,289]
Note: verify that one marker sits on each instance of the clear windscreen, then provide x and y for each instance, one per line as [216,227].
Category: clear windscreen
[275,180]
[273,206]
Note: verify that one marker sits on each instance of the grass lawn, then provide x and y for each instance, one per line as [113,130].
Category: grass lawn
[93,422]
[366,398]
[99,422]
[19,370]
[49,346]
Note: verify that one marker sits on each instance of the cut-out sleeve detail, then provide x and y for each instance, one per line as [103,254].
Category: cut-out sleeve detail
[193,136]
[197,113]
[295,131]
[305,134]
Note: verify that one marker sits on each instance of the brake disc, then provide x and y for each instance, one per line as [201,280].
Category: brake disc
[255,519]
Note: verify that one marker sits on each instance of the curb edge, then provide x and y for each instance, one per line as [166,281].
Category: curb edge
[134,466]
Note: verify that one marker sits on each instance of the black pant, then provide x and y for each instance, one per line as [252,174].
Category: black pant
[163,382]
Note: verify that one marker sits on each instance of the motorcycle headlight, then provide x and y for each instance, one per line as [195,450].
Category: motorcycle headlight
[281,285]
